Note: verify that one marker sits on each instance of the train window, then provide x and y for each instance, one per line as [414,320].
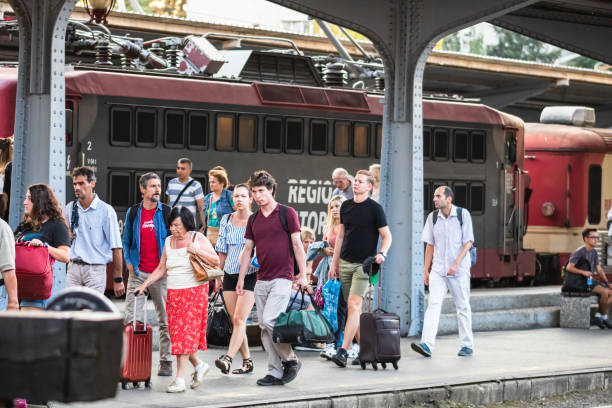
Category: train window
[247,139]
[342,138]
[146,127]
[510,148]
[440,144]
[121,126]
[478,146]
[378,140]
[203,180]
[273,135]
[426,143]
[594,204]
[427,197]
[69,122]
[294,136]
[461,194]
[361,140]
[460,145]
[477,194]
[225,132]
[198,131]
[318,137]
[119,190]
[174,134]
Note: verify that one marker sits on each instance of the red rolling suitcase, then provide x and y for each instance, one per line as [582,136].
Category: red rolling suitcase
[139,351]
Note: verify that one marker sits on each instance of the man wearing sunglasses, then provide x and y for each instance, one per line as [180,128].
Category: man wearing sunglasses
[584,264]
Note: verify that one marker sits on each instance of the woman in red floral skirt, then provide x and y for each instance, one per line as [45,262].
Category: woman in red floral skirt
[187,300]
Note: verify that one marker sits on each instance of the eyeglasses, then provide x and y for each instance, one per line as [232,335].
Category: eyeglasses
[593,237]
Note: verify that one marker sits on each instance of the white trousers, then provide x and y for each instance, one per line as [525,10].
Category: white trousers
[460,290]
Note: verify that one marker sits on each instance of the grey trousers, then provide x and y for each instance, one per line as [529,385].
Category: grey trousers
[158,293]
[90,276]
[271,299]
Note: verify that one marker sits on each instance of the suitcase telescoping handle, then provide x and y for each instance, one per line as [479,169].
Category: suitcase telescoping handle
[379,284]
[144,297]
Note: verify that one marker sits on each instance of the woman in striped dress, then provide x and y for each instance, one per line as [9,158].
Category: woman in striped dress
[229,246]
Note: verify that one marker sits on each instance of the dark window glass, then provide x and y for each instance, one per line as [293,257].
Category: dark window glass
[460,146]
[119,186]
[198,131]
[594,194]
[167,177]
[440,146]
[426,143]
[69,122]
[478,147]
[146,125]
[294,135]
[318,137]
[461,194]
[138,194]
[247,127]
[427,196]
[342,139]
[477,193]
[378,140]
[203,180]
[273,135]
[361,140]
[175,129]
[225,132]
[510,148]
[121,126]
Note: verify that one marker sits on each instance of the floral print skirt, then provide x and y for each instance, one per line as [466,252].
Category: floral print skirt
[187,311]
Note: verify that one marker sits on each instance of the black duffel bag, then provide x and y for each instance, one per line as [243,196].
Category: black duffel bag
[219,326]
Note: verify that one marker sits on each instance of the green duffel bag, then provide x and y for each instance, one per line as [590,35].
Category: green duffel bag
[302,326]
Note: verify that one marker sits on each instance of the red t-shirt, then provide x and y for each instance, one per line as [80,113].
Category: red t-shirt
[149,257]
[272,244]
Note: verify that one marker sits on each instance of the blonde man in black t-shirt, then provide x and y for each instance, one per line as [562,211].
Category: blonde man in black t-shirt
[362,221]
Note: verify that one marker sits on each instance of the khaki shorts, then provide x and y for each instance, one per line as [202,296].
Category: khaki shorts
[353,280]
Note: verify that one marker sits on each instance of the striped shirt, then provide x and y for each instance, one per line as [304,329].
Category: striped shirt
[231,241]
[189,197]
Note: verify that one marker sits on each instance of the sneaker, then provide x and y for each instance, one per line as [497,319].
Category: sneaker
[176,386]
[422,349]
[340,357]
[269,380]
[599,322]
[356,361]
[198,375]
[465,352]
[291,370]
[165,369]
[353,351]
[330,350]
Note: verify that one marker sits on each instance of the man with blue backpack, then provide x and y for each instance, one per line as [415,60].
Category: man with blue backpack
[449,255]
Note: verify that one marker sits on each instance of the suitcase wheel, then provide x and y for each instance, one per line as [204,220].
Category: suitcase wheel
[374,366]
[363,365]
[395,365]
[384,365]
[124,383]
[135,384]
[148,383]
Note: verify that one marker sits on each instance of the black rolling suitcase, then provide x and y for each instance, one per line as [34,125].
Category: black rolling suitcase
[380,336]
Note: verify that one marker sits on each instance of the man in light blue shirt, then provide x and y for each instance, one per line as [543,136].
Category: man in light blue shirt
[96,240]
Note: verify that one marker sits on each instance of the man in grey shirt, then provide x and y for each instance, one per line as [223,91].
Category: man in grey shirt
[343,182]
[96,240]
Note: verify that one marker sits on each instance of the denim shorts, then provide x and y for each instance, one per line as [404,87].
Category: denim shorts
[32,303]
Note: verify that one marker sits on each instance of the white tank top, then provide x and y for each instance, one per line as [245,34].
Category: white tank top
[180,271]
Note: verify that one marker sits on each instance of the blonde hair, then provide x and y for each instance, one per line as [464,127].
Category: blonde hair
[330,222]
[220,175]
[307,233]
[375,170]
[368,175]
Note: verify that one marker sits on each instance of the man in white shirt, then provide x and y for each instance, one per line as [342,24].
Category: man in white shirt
[449,238]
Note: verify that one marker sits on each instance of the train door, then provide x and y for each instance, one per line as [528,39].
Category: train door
[512,184]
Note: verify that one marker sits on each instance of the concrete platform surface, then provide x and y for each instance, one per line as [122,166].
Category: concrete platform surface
[498,356]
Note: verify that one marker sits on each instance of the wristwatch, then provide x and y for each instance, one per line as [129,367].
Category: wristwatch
[118,279]
[383,254]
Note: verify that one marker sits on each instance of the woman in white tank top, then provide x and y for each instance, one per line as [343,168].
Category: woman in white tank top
[187,300]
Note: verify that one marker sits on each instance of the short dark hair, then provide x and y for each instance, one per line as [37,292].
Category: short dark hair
[84,171]
[185,160]
[587,231]
[448,192]
[144,179]
[185,215]
[262,178]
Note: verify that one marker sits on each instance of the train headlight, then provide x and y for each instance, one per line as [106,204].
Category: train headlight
[548,209]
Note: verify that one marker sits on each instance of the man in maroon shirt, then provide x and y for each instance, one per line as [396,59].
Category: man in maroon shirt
[276,272]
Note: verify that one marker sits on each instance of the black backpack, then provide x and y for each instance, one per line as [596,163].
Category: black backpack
[165,212]
[460,219]
[283,218]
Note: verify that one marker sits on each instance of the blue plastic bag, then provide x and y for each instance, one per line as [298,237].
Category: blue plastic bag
[331,291]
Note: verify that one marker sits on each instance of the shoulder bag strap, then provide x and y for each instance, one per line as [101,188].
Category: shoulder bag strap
[178,197]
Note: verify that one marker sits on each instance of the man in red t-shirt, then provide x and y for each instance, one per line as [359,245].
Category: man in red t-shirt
[275,276]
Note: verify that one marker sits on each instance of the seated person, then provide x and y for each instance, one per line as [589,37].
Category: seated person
[583,263]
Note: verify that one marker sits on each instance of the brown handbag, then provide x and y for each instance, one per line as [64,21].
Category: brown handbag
[202,271]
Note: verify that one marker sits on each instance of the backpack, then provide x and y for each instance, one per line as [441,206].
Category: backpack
[283,218]
[460,219]
[165,212]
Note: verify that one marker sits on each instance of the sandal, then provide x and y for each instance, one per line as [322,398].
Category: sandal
[247,367]
[224,363]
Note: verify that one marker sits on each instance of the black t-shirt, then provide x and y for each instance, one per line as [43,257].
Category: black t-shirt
[52,232]
[361,223]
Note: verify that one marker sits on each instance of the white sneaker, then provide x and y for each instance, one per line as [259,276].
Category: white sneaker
[329,352]
[178,385]
[353,351]
[199,373]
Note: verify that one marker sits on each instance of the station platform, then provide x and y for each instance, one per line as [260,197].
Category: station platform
[506,365]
